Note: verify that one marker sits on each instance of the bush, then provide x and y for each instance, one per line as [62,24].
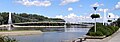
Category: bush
[98,33]
[7,39]
[91,33]
[112,28]
[102,30]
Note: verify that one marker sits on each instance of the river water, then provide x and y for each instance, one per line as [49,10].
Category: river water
[55,36]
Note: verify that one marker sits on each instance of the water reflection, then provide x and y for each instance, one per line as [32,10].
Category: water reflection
[52,36]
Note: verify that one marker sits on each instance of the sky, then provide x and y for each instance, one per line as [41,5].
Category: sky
[70,10]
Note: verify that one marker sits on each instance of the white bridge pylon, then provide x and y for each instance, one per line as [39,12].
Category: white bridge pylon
[10,21]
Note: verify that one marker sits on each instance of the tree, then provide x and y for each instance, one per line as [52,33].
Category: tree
[117,22]
[25,17]
[94,16]
[109,20]
[1,18]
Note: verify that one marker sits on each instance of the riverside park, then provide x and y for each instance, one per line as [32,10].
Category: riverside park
[59,20]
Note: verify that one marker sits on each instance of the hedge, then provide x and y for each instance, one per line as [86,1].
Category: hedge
[102,30]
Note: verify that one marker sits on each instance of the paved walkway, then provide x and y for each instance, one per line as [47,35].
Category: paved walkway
[116,37]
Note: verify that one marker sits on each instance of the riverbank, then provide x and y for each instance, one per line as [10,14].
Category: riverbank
[18,33]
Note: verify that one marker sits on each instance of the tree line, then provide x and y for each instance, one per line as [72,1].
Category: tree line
[24,17]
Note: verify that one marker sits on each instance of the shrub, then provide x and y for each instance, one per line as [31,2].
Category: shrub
[91,33]
[112,28]
[102,30]
[99,33]
[7,39]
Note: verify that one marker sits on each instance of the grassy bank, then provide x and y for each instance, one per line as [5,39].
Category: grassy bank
[102,30]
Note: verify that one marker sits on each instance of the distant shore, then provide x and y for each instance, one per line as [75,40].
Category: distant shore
[19,33]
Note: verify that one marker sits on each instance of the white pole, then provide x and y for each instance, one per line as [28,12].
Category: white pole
[95,22]
[65,27]
[9,21]
[104,16]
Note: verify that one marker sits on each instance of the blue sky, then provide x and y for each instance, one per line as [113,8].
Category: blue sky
[65,9]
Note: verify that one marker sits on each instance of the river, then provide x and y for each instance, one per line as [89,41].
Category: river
[54,36]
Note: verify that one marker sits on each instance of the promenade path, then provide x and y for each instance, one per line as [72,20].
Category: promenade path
[116,37]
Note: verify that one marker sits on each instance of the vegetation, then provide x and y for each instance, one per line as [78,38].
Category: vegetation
[24,17]
[117,23]
[95,16]
[102,30]
[7,39]
[109,20]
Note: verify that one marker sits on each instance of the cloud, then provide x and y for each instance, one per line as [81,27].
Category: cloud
[97,4]
[72,17]
[64,2]
[34,3]
[59,16]
[70,9]
[112,15]
[117,6]
[102,10]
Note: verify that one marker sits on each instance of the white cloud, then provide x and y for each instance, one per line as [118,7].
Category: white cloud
[64,2]
[102,10]
[97,4]
[59,16]
[35,3]
[112,15]
[72,17]
[117,6]
[70,9]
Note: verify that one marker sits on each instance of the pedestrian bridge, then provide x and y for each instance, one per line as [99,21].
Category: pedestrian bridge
[46,24]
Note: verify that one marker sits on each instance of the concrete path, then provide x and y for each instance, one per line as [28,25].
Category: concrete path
[116,37]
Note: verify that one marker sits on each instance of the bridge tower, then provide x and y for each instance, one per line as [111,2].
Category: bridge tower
[9,21]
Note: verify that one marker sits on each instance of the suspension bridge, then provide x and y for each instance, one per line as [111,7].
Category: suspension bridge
[37,24]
